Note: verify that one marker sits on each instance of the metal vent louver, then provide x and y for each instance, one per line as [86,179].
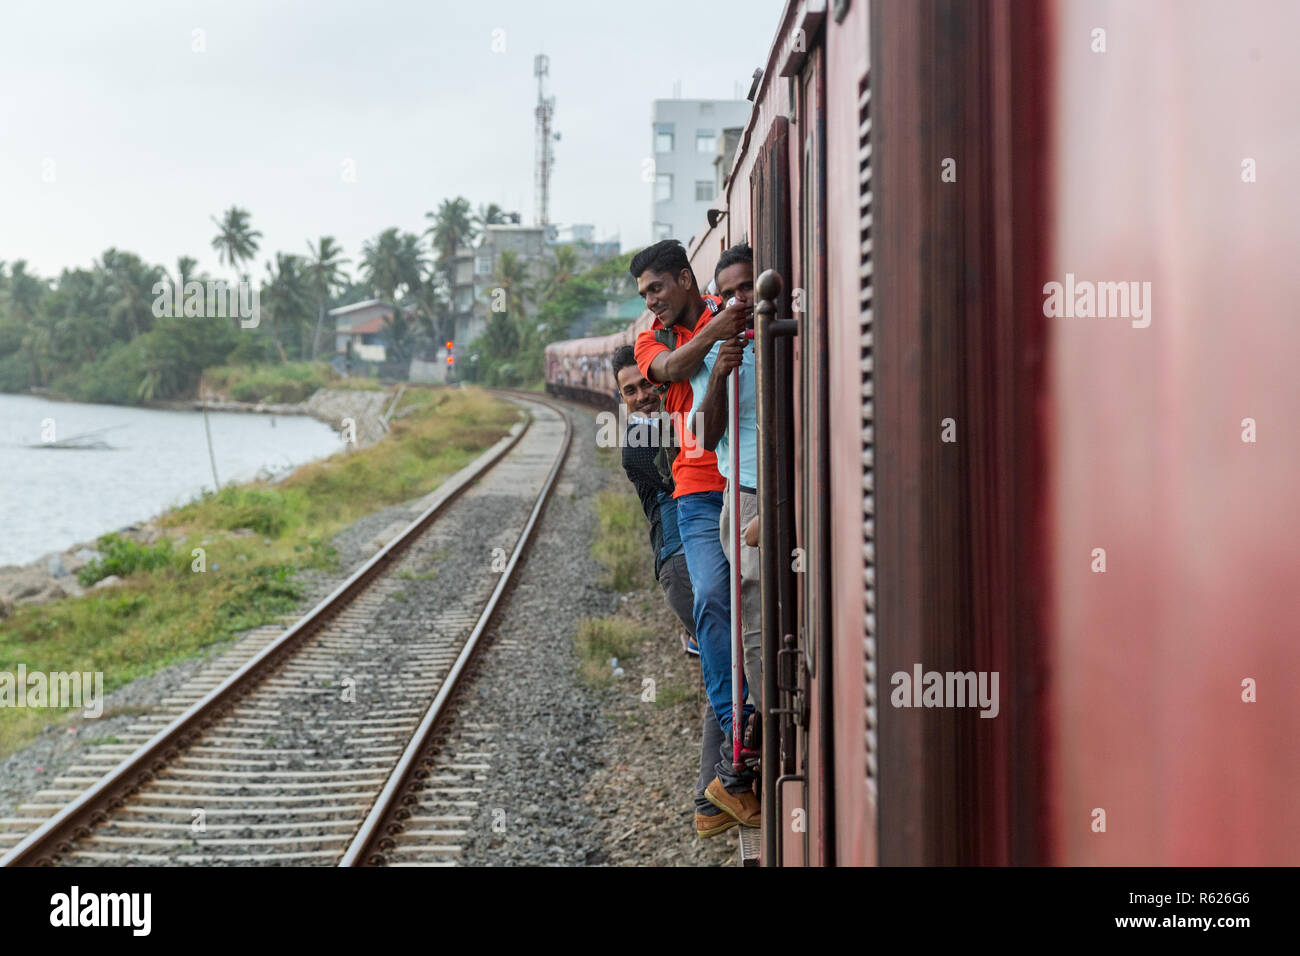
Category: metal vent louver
[866,359]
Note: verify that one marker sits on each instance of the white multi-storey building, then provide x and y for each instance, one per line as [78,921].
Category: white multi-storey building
[685,135]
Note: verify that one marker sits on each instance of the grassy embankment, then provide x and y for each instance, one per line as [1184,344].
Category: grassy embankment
[165,611]
[622,546]
[290,382]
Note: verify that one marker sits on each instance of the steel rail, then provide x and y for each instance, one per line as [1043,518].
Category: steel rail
[401,790]
[56,835]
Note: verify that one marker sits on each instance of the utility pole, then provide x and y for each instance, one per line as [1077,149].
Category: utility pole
[545,155]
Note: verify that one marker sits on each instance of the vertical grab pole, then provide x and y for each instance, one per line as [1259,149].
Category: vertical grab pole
[733,491]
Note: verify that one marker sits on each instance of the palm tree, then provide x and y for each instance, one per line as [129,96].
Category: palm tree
[512,277]
[558,271]
[128,284]
[325,275]
[421,291]
[489,215]
[186,268]
[25,291]
[452,228]
[290,296]
[431,310]
[411,262]
[381,264]
[235,242]
[387,264]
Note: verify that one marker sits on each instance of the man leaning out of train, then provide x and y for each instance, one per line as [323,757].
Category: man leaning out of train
[640,450]
[734,279]
[693,324]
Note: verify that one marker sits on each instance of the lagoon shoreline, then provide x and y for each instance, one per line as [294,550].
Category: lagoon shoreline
[53,576]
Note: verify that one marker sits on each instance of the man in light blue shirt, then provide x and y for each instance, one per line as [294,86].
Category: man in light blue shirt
[741,350]
[734,278]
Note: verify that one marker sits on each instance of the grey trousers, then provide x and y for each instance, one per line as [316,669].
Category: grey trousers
[675,579]
[712,744]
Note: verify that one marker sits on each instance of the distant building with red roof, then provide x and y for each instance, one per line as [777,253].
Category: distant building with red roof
[364,327]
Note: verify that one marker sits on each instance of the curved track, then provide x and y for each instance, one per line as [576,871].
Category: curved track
[309,752]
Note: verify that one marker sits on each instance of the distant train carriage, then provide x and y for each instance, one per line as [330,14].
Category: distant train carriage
[581,369]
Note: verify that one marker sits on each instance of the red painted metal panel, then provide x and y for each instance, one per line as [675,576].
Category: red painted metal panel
[1200,529]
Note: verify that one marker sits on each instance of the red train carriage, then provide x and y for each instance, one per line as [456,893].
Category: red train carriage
[581,369]
[963,473]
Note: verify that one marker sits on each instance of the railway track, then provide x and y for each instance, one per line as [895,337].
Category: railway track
[310,746]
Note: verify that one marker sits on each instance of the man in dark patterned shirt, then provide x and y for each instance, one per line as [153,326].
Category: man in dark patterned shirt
[640,447]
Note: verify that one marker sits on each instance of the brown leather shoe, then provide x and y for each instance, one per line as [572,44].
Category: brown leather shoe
[707,826]
[741,807]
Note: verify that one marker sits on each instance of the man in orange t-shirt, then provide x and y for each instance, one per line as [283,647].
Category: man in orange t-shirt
[665,280]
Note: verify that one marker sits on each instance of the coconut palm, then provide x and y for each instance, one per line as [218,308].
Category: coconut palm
[128,287]
[235,242]
[381,264]
[558,271]
[325,275]
[431,310]
[24,291]
[452,227]
[187,268]
[390,262]
[412,263]
[489,215]
[512,278]
[289,296]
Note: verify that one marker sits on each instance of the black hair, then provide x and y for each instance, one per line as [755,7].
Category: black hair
[737,253]
[623,357]
[667,255]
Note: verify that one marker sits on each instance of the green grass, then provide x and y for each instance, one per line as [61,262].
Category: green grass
[166,611]
[600,638]
[610,458]
[621,543]
[406,574]
[122,556]
[671,694]
[283,383]
[360,384]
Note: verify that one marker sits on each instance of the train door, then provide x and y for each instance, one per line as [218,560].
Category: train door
[810,311]
[957,105]
[782,692]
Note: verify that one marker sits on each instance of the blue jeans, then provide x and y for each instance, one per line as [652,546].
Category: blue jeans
[697,520]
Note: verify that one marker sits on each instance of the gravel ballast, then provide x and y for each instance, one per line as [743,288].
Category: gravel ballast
[579,775]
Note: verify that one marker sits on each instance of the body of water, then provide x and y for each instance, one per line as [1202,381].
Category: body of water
[53,498]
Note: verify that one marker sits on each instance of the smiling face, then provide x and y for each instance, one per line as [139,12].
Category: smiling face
[668,297]
[636,391]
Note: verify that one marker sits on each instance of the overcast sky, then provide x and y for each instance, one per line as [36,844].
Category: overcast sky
[144,139]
